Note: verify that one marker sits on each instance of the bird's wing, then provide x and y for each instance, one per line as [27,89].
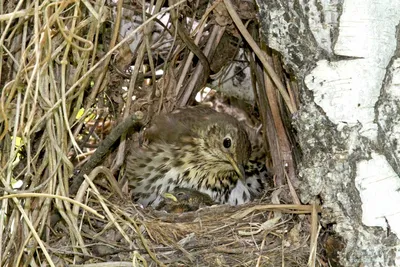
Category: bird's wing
[165,128]
[179,124]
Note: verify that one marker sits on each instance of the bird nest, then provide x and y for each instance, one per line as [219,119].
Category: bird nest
[255,234]
[69,94]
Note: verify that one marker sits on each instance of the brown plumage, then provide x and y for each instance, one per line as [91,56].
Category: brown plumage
[183,200]
[196,148]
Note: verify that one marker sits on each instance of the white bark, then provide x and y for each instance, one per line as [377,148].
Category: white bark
[349,122]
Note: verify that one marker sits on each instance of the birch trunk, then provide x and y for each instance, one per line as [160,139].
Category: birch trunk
[345,56]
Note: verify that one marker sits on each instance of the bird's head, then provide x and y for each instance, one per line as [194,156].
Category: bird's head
[227,142]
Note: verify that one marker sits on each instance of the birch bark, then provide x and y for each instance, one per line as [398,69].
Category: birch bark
[345,55]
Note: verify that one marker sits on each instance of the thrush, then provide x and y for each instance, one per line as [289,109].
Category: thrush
[183,200]
[195,148]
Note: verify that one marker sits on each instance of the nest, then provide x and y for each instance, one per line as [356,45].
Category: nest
[254,234]
[68,87]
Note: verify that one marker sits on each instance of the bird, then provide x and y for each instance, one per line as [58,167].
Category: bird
[184,200]
[196,148]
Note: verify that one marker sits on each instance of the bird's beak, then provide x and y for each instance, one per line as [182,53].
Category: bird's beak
[238,167]
[170,196]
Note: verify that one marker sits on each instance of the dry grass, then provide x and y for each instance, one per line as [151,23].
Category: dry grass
[62,69]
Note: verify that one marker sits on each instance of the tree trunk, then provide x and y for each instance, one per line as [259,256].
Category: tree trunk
[345,56]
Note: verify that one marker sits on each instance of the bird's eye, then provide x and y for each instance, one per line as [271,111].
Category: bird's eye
[227,142]
[180,194]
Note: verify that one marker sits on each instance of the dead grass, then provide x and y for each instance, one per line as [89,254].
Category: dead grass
[63,64]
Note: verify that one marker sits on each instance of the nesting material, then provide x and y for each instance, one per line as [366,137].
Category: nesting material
[254,234]
[70,72]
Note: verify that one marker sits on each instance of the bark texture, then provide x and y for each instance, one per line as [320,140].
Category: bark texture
[344,55]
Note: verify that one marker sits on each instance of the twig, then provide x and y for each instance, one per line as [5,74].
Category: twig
[144,243]
[315,228]
[28,195]
[283,208]
[50,111]
[195,50]
[260,54]
[103,149]
[110,216]
[194,81]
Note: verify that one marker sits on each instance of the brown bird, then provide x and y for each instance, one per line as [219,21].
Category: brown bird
[183,200]
[196,148]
